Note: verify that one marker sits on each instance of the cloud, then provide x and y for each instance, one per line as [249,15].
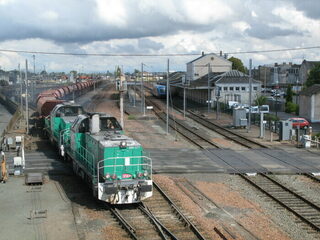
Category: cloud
[153,26]
[264,31]
[310,7]
[149,44]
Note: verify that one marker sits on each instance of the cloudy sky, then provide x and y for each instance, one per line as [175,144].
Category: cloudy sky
[155,27]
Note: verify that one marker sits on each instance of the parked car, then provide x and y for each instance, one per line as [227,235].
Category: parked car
[302,122]
[269,98]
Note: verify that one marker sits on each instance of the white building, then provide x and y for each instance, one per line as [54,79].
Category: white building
[211,62]
[234,86]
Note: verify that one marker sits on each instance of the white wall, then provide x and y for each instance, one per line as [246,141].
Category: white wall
[199,68]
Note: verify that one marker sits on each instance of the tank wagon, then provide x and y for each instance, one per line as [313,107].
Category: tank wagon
[48,99]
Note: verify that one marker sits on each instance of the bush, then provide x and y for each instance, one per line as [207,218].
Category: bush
[131,117]
[291,107]
[115,96]
[270,117]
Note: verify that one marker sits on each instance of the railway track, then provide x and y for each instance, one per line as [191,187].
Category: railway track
[307,212]
[246,142]
[313,177]
[235,137]
[156,218]
[207,205]
[193,135]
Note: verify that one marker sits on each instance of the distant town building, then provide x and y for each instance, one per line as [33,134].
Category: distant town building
[211,62]
[310,103]
[4,76]
[280,75]
[304,70]
[262,74]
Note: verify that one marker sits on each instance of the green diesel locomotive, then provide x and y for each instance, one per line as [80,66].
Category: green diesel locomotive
[114,165]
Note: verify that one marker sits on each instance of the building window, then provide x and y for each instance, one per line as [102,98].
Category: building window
[231,88]
[220,88]
[225,88]
[243,88]
[255,88]
[237,88]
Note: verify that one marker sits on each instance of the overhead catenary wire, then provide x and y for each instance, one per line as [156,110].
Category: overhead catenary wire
[155,54]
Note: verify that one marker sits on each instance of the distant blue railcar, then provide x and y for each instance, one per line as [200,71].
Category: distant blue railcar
[159,90]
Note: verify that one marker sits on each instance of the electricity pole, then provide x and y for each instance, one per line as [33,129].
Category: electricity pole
[209,88]
[141,88]
[121,89]
[184,83]
[134,92]
[27,105]
[20,79]
[167,125]
[250,94]
[34,76]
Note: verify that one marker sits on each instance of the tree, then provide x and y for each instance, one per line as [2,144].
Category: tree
[289,94]
[3,83]
[118,72]
[313,76]
[261,100]
[237,64]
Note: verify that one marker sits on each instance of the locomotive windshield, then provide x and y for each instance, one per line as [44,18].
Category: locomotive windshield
[110,123]
[69,111]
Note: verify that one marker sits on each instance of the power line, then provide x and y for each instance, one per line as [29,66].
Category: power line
[101,54]
[276,50]
[152,55]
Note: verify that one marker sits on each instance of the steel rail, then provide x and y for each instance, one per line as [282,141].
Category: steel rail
[124,223]
[160,115]
[160,227]
[223,131]
[286,205]
[182,217]
[314,178]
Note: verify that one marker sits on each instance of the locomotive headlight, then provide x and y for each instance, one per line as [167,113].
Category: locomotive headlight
[145,173]
[114,176]
[108,176]
[140,175]
[123,144]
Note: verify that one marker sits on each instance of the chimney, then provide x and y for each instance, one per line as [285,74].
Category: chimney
[95,124]
[202,53]
[226,56]
[220,53]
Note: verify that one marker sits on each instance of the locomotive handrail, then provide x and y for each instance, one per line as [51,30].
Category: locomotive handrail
[148,165]
[62,133]
[83,153]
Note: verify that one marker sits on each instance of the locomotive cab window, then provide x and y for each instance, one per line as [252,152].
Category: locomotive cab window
[84,126]
[110,123]
[72,111]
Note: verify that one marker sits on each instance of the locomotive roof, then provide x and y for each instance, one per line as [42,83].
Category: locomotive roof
[114,139]
[69,119]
